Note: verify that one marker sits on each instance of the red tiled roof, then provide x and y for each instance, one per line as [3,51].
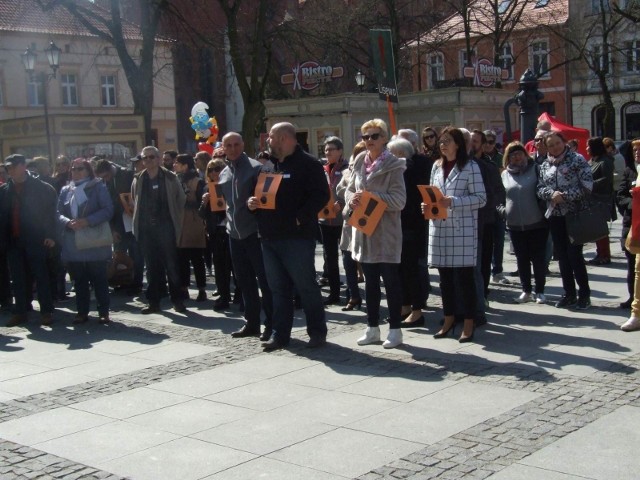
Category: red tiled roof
[555,12]
[28,16]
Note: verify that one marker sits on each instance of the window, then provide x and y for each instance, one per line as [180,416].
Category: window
[506,60]
[69,90]
[632,54]
[540,58]
[1,94]
[503,6]
[435,66]
[108,90]
[35,93]
[464,60]
[598,5]
[541,3]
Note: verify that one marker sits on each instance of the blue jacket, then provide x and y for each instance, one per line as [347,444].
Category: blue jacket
[97,209]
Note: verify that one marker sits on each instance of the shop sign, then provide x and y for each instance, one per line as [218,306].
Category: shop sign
[485,73]
[310,74]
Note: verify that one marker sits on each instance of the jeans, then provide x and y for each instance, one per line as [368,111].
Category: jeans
[530,248]
[351,275]
[248,268]
[390,273]
[572,267]
[95,273]
[289,263]
[161,255]
[498,245]
[331,248]
[219,239]
[26,261]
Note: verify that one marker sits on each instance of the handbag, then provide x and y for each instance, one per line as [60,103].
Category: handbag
[93,237]
[589,224]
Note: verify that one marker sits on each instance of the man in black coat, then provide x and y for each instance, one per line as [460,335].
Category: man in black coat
[27,232]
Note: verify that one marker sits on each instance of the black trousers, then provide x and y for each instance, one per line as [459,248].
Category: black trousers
[331,251]
[195,257]
[161,255]
[458,283]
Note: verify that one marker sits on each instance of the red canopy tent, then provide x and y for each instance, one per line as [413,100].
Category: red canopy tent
[569,132]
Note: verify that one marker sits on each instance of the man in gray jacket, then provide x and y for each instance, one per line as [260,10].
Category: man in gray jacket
[237,183]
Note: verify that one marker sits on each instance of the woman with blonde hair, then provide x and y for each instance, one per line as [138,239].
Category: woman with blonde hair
[380,173]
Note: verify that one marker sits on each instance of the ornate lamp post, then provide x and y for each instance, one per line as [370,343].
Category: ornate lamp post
[29,62]
[360,79]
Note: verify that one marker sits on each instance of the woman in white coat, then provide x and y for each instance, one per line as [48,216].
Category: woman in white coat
[381,173]
[453,242]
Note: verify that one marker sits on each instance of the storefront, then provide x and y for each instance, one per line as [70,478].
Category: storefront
[319,117]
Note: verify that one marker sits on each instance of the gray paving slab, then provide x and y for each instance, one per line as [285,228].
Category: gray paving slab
[535,379]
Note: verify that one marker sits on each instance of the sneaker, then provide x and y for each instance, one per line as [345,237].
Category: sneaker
[583,303]
[631,325]
[566,301]
[501,279]
[394,339]
[525,298]
[371,335]
[540,298]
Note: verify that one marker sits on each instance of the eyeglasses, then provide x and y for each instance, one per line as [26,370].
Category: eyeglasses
[373,136]
[148,157]
[217,169]
[429,137]
[77,169]
[446,141]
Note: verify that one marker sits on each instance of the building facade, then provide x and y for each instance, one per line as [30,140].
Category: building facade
[89,102]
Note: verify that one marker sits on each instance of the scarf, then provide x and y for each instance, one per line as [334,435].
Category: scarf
[557,160]
[78,197]
[369,165]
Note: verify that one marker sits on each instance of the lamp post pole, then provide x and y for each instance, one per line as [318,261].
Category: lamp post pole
[29,60]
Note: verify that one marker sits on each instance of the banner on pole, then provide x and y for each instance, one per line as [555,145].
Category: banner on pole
[384,64]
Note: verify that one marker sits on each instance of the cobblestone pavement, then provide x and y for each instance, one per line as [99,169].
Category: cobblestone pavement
[564,403]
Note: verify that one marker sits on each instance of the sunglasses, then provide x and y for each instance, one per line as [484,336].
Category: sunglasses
[373,136]
[429,137]
[77,169]
[148,157]
[537,140]
[217,169]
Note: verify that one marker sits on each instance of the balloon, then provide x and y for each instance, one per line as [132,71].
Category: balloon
[202,124]
[205,147]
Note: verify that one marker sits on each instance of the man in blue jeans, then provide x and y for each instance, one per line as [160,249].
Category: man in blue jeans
[288,235]
[237,182]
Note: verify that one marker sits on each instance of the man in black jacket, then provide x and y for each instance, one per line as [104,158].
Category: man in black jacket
[288,235]
[27,232]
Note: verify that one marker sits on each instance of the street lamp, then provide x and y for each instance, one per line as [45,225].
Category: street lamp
[360,78]
[29,62]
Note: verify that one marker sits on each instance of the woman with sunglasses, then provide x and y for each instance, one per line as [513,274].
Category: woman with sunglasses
[84,203]
[430,146]
[193,238]
[216,223]
[379,172]
[453,242]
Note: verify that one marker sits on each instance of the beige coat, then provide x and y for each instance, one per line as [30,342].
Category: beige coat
[387,183]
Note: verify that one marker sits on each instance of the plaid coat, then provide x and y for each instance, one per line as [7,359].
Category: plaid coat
[453,242]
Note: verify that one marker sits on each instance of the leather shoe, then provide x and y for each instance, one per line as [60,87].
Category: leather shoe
[272,344]
[151,308]
[245,331]
[418,322]
[46,319]
[221,304]
[80,319]
[17,319]
[266,335]
[315,342]
[179,307]
[332,300]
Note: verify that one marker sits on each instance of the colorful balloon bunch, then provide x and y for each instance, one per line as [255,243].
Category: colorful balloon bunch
[204,126]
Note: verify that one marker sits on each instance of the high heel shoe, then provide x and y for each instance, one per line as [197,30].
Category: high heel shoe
[469,338]
[451,329]
[407,323]
[352,305]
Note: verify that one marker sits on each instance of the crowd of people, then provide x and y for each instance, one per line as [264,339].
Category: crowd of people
[174,214]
